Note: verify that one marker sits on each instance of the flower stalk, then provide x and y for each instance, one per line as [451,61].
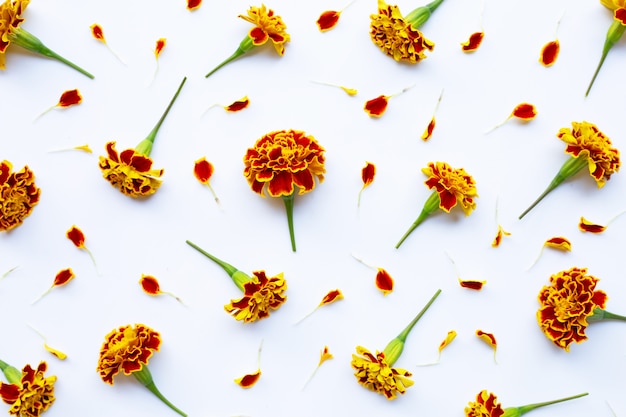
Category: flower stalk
[394,349]
[145,146]
[30,42]
[518,411]
[288,200]
[238,277]
[613,35]
[601,314]
[245,46]
[420,15]
[570,168]
[11,373]
[145,377]
[430,206]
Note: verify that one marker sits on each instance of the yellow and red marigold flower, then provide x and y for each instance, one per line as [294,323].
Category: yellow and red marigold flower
[282,163]
[398,36]
[567,304]
[127,349]
[130,172]
[261,295]
[32,394]
[18,195]
[588,147]
[486,405]
[268,26]
[374,373]
[451,187]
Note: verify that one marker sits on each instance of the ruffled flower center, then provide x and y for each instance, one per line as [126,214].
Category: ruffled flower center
[18,195]
[267,26]
[374,373]
[261,295]
[33,396]
[454,186]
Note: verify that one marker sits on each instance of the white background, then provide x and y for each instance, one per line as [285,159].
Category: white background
[204,348]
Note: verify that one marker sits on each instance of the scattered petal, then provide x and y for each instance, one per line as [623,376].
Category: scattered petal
[247,381]
[472,285]
[160,44]
[377,106]
[238,105]
[524,111]
[559,243]
[586,226]
[203,171]
[328,20]
[489,339]
[151,286]
[98,33]
[349,91]
[60,355]
[70,98]
[84,148]
[324,356]
[331,297]
[384,281]
[549,53]
[78,239]
[193,4]
[449,338]
[428,132]
[62,277]
[367,175]
[499,235]
[473,42]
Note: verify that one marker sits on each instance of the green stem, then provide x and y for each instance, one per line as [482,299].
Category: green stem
[30,42]
[394,349]
[518,411]
[288,200]
[145,377]
[238,277]
[600,314]
[145,146]
[420,15]
[615,32]
[430,206]
[243,47]
[12,374]
[570,168]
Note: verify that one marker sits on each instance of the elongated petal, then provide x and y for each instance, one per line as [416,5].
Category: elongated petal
[449,338]
[559,243]
[473,42]
[63,277]
[158,48]
[76,236]
[238,105]
[586,226]
[472,285]
[332,296]
[247,381]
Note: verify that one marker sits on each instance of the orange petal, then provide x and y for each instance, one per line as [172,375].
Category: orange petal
[368,173]
[524,111]
[249,380]
[332,296]
[150,285]
[472,285]
[429,130]
[473,42]
[96,31]
[63,277]
[238,105]
[160,44]
[586,226]
[328,20]
[203,170]
[69,98]
[76,236]
[377,106]
[193,4]
[549,53]
[384,282]
[449,338]
[560,243]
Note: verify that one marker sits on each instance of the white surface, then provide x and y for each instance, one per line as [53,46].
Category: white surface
[204,348]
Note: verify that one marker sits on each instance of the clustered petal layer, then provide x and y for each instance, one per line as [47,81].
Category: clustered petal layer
[267,26]
[454,186]
[374,373]
[486,405]
[18,195]
[566,304]
[261,295]
[33,395]
[10,19]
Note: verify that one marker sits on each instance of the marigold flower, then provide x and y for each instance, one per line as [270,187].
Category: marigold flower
[613,35]
[451,187]
[588,147]
[127,349]
[487,405]
[131,170]
[569,304]
[10,32]
[30,392]
[283,163]
[18,195]
[375,371]
[267,27]
[261,294]
[398,36]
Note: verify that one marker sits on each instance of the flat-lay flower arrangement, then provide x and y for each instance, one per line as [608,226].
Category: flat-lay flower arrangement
[276,209]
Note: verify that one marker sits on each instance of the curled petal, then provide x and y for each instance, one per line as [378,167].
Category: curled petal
[473,42]
[247,381]
[325,355]
[331,297]
[449,338]
[238,105]
[472,285]
[499,235]
[428,132]
[488,338]
[559,243]
[586,226]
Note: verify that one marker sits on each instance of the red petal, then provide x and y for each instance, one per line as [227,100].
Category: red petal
[96,31]
[238,105]
[76,236]
[559,243]
[367,174]
[524,111]
[249,380]
[429,130]
[70,98]
[258,36]
[331,296]
[549,53]
[160,44]
[377,106]
[150,284]
[193,4]
[63,277]
[585,226]
[620,14]
[328,20]
[473,42]
[203,170]
[472,285]
[384,282]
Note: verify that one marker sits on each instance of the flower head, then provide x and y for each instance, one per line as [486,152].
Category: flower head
[567,304]
[267,26]
[261,295]
[454,186]
[18,195]
[585,140]
[130,172]
[376,374]
[396,36]
[486,405]
[127,349]
[10,19]
[32,395]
